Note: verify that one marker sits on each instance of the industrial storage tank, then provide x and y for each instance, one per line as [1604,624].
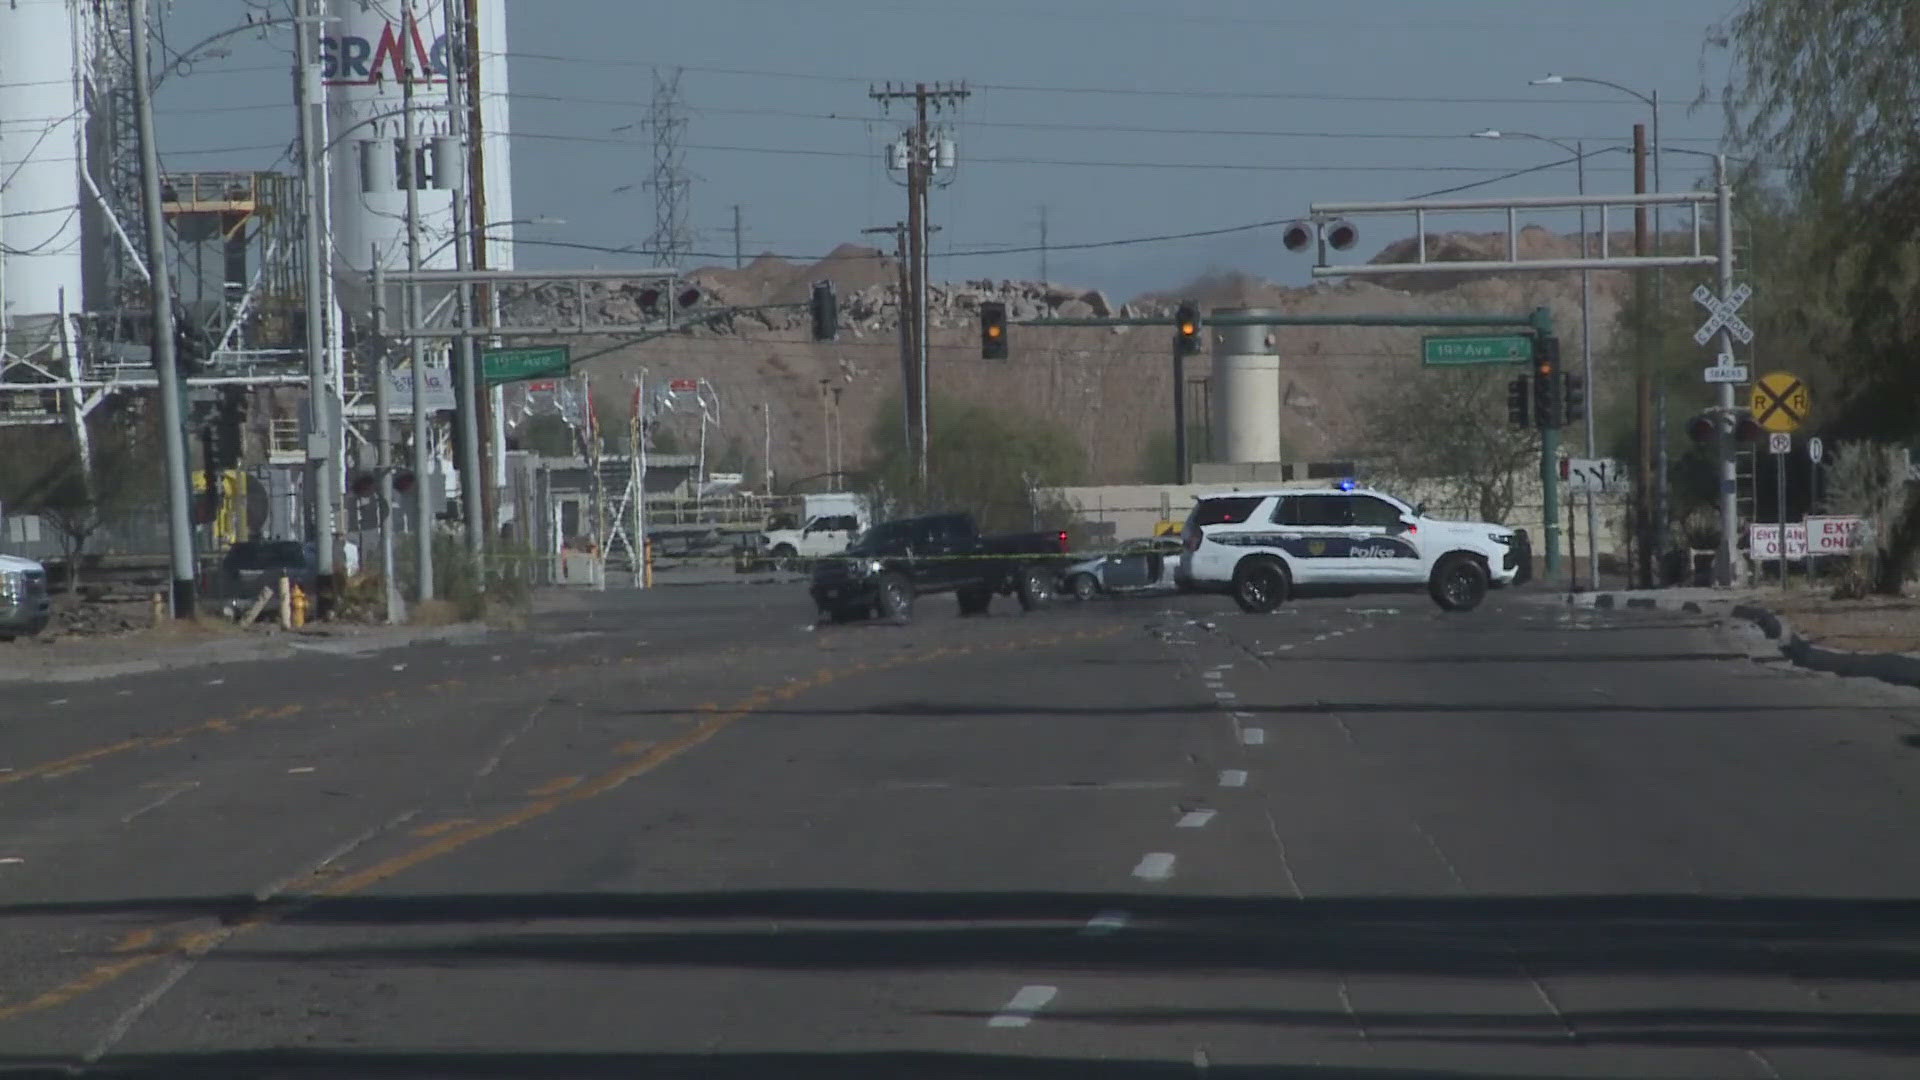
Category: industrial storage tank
[41,123]
[369,53]
[1245,391]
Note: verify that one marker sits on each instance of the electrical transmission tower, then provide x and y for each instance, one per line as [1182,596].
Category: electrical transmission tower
[672,241]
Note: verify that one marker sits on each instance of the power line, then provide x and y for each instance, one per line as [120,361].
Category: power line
[1175,92]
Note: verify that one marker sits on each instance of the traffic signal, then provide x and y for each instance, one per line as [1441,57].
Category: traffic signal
[1520,403]
[826,312]
[1547,410]
[1573,393]
[993,330]
[1186,329]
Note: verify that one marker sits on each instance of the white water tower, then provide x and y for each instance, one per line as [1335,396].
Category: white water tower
[1245,392]
[41,124]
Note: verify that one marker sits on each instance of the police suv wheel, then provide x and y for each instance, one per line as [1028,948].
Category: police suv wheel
[1259,585]
[1083,587]
[1459,583]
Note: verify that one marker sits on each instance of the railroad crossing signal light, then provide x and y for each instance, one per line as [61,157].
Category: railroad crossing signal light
[403,481]
[1520,403]
[364,485]
[1747,429]
[826,312]
[688,297]
[993,330]
[1341,234]
[1574,397]
[1186,329]
[1701,429]
[1298,235]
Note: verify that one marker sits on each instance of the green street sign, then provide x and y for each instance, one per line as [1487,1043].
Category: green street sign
[1445,350]
[513,365]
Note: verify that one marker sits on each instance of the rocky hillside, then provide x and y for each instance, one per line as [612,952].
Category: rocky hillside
[1111,387]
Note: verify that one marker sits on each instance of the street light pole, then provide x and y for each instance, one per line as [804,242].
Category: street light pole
[1578,150]
[1650,484]
[416,364]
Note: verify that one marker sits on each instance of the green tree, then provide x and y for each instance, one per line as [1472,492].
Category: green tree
[986,460]
[1447,431]
[1832,92]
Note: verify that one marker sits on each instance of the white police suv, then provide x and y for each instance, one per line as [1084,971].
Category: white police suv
[1263,545]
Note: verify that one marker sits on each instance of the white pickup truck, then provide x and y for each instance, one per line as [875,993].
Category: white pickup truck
[24,605]
[830,523]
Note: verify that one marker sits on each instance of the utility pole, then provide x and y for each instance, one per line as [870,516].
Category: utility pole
[416,364]
[907,350]
[1043,243]
[321,475]
[921,162]
[826,429]
[383,436]
[467,381]
[160,298]
[739,259]
[493,449]
[1644,525]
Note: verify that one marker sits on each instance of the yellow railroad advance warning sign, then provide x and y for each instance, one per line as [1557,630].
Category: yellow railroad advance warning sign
[1781,401]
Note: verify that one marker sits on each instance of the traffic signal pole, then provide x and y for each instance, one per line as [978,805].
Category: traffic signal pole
[1542,322]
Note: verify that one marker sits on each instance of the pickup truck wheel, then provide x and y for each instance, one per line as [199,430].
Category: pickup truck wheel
[1083,587]
[1036,588]
[1459,583]
[974,600]
[1260,585]
[784,558]
[896,599]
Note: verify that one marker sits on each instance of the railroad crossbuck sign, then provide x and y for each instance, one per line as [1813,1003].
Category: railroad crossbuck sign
[1781,401]
[1722,313]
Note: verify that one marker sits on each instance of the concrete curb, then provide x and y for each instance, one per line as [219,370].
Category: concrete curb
[242,651]
[1901,669]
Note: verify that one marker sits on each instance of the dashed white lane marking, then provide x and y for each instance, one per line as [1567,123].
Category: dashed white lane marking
[173,792]
[1319,637]
[1154,866]
[1233,778]
[1019,1009]
[1107,922]
[1194,819]
[11,860]
[301,769]
[58,701]
[1253,736]
[1226,695]
[216,682]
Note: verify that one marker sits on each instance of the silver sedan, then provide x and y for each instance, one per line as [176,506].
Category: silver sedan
[1137,566]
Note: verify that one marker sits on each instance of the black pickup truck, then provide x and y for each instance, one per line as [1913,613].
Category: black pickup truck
[899,560]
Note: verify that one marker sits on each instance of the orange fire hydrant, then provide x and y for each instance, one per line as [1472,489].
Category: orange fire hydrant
[299,606]
[647,580]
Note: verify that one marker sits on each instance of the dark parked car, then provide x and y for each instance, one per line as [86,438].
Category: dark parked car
[252,565]
[899,560]
[24,605]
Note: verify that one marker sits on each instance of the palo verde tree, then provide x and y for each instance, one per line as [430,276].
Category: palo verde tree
[1446,431]
[987,460]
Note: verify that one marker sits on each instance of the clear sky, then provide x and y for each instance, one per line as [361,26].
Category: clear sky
[1121,118]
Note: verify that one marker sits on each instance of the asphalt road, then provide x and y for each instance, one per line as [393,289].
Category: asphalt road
[684,834]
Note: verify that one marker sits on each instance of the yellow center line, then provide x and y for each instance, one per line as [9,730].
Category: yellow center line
[199,943]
